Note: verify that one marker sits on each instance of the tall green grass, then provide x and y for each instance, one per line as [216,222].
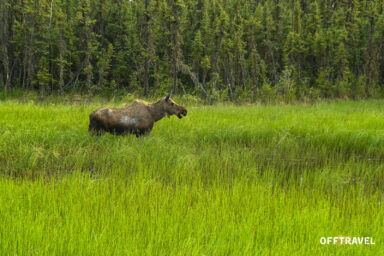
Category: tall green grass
[225,180]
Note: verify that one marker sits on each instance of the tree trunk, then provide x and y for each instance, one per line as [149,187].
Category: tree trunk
[176,40]
[61,60]
[148,47]
[146,76]
[30,65]
[4,45]
[50,63]
[187,70]
[174,78]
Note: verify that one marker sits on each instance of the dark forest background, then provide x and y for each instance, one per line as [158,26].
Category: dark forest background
[216,49]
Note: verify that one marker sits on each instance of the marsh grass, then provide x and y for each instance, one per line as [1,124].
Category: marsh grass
[225,180]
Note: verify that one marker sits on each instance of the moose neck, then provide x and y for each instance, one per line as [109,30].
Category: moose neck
[157,111]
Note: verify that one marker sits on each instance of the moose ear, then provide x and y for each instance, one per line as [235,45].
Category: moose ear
[167,97]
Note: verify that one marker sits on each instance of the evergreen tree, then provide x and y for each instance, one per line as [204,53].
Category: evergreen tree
[215,48]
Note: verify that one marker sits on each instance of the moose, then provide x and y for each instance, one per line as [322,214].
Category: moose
[137,118]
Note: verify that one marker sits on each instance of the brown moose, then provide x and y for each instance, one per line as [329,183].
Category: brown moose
[137,118]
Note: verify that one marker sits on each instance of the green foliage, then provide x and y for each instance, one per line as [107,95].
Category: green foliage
[323,83]
[232,47]
[358,88]
[43,78]
[267,93]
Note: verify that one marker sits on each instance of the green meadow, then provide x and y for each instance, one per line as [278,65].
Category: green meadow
[225,180]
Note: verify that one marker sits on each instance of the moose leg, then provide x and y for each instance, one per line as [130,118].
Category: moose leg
[138,133]
[96,131]
[95,128]
[142,132]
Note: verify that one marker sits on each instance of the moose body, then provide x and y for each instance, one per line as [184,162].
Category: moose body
[137,118]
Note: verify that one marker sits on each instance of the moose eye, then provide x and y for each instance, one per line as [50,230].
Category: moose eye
[172,103]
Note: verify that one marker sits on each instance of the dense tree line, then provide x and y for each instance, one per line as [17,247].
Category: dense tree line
[214,48]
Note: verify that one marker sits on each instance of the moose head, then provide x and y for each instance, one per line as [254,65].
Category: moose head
[172,108]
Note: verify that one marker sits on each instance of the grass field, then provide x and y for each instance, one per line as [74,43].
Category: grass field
[225,180]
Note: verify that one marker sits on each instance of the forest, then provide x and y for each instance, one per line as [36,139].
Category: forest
[215,49]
